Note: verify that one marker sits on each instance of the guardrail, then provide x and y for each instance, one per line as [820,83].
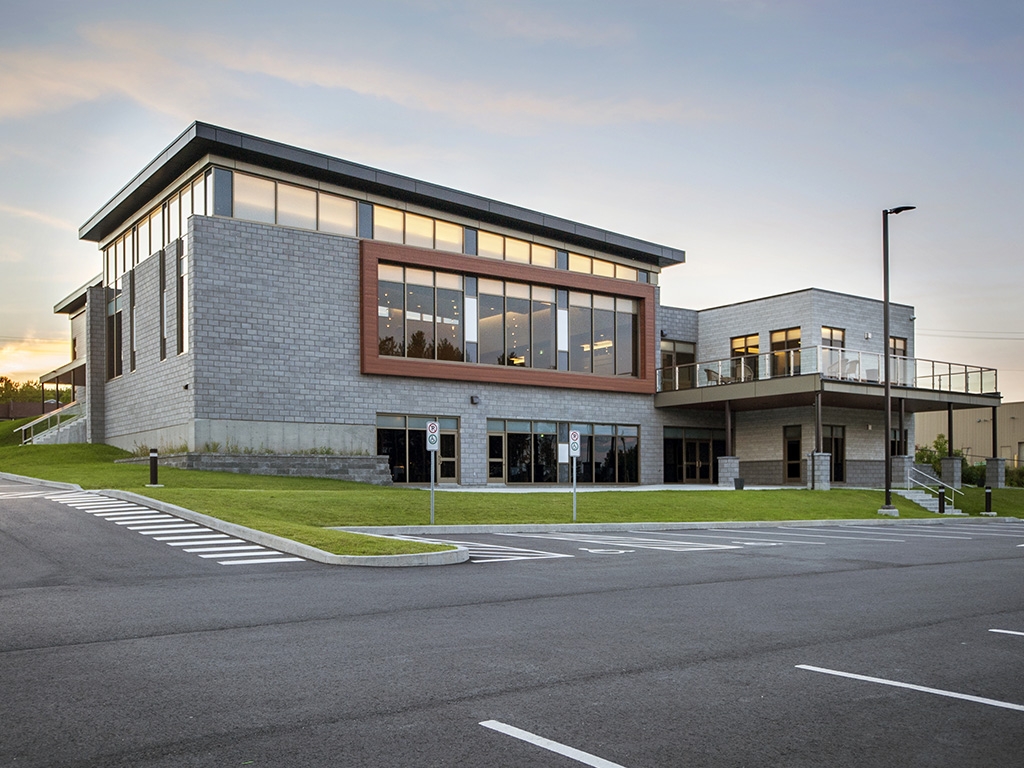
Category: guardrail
[832,363]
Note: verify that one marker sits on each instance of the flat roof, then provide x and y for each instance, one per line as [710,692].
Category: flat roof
[75,300]
[200,139]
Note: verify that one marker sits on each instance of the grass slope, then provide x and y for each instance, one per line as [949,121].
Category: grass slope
[302,508]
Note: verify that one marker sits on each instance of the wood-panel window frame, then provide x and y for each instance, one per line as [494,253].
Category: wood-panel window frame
[373,252]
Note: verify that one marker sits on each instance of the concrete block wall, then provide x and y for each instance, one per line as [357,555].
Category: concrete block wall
[150,407]
[809,310]
[276,359]
[676,324]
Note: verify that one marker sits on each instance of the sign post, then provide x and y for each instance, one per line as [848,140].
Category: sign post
[433,438]
[574,451]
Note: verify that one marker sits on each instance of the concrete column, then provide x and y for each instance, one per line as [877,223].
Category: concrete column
[95,363]
[728,471]
[952,469]
[995,473]
[819,471]
[901,466]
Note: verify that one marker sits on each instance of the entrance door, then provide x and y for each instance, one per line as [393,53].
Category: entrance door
[791,453]
[697,461]
[673,448]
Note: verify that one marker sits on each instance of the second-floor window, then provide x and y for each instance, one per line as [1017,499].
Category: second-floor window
[833,337]
[786,352]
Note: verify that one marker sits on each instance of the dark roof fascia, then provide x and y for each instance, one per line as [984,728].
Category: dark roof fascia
[201,139]
[75,300]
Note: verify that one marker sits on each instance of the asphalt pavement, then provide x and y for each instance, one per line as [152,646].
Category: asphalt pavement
[840,646]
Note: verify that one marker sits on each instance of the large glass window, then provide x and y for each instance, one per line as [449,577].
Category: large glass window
[388,224]
[449,323]
[521,451]
[391,311]
[254,198]
[403,439]
[517,324]
[337,215]
[491,325]
[419,313]
[544,327]
[296,206]
[581,358]
[443,316]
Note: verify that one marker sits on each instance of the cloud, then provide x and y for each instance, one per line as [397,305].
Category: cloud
[135,61]
[539,26]
[29,359]
[42,218]
[466,100]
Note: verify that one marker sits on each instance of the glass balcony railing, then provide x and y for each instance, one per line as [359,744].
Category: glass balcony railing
[832,363]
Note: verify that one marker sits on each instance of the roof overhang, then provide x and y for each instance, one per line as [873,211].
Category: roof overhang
[795,391]
[69,373]
[75,300]
[201,139]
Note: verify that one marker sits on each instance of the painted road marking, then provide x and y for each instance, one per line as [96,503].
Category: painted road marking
[627,541]
[174,531]
[806,535]
[695,535]
[552,746]
[1007,632]
[912,687]
[490,553]
[876,532]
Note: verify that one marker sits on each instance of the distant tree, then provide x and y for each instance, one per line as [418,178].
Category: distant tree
[13,392]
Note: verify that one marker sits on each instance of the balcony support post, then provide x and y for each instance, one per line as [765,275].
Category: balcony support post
[728,428]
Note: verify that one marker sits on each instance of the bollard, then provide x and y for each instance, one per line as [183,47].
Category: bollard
[942,503]
[153,481]
[988,499]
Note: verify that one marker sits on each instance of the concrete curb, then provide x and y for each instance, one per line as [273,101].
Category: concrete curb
[36,481]
[448,557]
[428,530]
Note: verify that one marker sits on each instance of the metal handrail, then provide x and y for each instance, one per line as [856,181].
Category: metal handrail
[925,474]
[71,410]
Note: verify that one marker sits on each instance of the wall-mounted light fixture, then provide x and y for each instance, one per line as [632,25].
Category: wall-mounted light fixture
[474,399]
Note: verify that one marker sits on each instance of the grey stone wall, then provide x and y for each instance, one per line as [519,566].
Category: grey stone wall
[764,472]
[359,469]
[96,363]
[819,476]
[862,473]
[809,310]
[677,324]
[152,406]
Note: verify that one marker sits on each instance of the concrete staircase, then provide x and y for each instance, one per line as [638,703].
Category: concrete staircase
[927,500]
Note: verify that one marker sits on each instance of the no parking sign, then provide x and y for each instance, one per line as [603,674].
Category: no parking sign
[574,443]
[432,435]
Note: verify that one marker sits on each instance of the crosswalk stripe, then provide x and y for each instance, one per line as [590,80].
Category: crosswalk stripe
[161,526]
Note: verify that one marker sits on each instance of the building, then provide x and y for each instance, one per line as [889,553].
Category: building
[970,431]
[256,297]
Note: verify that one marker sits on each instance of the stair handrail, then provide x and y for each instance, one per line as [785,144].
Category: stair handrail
[28,431]
[915,481]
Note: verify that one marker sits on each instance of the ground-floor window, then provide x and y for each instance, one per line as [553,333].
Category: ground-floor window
[691,454]
[520,451]
[403,439]
[833,441]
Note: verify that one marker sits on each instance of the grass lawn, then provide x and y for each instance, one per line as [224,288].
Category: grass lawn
[302,508]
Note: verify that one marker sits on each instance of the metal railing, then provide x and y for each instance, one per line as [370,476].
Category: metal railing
[50,420]
[831,363]
[930,486]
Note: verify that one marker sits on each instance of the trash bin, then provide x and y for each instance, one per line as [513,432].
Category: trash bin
[738,483]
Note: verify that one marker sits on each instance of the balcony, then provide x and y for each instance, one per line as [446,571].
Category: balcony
[834,364]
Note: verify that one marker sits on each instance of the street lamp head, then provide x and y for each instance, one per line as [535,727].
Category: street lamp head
[900,209]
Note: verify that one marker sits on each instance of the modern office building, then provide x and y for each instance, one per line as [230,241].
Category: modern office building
[256,297]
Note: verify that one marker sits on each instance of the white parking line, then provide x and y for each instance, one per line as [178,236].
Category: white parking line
[222,549]
[864,529]
[627,541]
[692,535]
[267,560]
[1007,632]
[748,531]
[552,746]
[910,686]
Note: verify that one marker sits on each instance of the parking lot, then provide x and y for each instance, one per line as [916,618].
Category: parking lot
[842,645]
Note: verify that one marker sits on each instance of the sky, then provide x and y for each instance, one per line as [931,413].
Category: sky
[762,137]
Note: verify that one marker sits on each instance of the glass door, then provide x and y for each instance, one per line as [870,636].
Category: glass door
[697,461]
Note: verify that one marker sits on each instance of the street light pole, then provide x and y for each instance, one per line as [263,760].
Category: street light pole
[888,509]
